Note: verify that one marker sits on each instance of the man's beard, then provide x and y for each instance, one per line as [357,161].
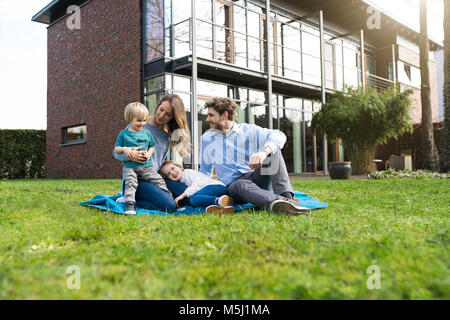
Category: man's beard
[216,126]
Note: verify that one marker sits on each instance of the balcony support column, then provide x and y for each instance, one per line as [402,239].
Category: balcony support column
[363,74]
[394,67]
[268,66]
[194,109]
[323,84]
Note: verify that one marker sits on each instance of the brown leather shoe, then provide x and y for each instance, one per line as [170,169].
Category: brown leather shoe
[225,201]
[219,210]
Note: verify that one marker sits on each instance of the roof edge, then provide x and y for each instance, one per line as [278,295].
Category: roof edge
[436,43]
[39,17]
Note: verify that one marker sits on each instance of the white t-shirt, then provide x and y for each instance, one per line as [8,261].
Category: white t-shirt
[196,180]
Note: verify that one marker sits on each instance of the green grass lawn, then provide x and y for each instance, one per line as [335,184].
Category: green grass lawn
[400,226]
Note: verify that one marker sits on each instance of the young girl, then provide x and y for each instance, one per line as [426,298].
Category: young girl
[202,190]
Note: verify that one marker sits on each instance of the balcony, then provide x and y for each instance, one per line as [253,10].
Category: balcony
[231,38]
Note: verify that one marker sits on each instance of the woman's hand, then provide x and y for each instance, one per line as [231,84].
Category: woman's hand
[179,198]
[133,154]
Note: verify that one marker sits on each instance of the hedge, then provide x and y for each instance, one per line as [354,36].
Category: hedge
[22,154]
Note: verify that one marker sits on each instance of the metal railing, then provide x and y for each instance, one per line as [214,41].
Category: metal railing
[378,83]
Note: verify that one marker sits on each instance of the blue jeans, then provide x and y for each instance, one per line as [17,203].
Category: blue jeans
[151,197]
[177,188]
[208,195]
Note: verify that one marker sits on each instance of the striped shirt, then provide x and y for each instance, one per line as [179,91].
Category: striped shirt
[230,154]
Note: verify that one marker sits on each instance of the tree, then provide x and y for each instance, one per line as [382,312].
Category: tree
[429,153]
[446,135]
[363,118]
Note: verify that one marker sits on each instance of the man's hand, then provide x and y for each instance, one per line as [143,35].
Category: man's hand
[256,159]
[178,199]
[133,154]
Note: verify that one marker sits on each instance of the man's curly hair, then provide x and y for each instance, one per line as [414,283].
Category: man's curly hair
[221,105]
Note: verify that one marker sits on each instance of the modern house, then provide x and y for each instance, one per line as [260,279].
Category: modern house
[138,50]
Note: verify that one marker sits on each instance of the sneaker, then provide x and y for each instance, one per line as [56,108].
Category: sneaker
[225,201]
[120,200]
[288,206]
[129,209]
[219,210]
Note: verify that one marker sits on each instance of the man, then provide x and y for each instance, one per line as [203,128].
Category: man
[247,158]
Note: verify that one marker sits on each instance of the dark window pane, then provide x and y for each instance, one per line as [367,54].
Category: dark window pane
[154,84]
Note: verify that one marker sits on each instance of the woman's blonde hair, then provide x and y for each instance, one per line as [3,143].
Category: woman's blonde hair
[177,127]
[135,110]
[166,163]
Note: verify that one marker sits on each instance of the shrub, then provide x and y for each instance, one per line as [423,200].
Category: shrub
[22,154]
[402,174]
[364,118]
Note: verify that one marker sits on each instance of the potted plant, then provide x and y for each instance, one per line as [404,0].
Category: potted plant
[364,118]
[340,169]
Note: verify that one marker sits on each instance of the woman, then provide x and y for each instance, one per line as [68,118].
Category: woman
[169,128]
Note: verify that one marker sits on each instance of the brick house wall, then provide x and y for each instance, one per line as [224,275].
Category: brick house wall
[92,74]
[413,58]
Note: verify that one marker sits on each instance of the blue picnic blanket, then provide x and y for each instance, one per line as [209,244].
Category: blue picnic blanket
[109,203]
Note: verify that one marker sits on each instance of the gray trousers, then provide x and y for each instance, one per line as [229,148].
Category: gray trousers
[130,177]
[253,186]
